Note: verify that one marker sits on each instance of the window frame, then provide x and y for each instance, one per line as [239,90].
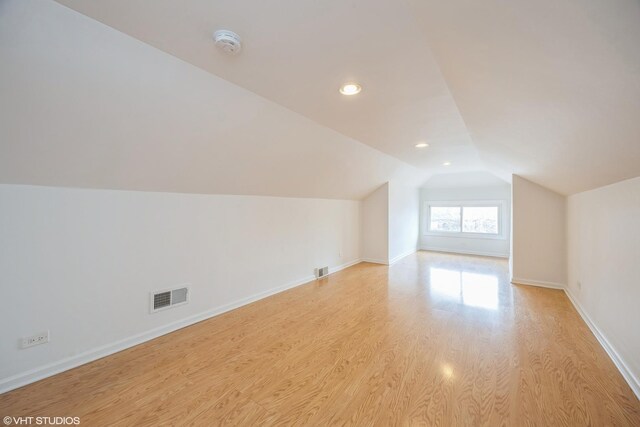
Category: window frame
[500,204]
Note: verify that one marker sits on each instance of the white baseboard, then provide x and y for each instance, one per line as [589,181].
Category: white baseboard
[465,252]
[376,261]
[538,283]
[343,266]
[42,372]
[631,379]
[399,257]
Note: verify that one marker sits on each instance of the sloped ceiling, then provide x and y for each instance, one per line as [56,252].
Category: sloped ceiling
[547,90]
[83,105]
[298,54]
[550,90]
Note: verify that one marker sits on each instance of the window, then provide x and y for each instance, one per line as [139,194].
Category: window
[460,218]
[480,219]
[445,218]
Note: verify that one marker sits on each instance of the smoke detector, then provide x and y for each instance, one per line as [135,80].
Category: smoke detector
[228,41]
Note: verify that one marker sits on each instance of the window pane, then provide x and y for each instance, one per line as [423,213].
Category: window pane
[480,219]
[445,218]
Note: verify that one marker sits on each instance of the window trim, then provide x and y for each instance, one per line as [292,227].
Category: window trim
[500,204]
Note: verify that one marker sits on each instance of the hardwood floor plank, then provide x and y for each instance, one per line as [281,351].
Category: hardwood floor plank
[435,339]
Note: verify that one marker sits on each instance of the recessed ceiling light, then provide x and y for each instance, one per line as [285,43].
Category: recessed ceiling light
[446,164]
[350,89]
[422,145]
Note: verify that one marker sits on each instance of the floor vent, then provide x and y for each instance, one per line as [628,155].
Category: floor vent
[321,272]
[162,300]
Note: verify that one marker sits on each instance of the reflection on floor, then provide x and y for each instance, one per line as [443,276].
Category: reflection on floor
[435,339]
[472,289]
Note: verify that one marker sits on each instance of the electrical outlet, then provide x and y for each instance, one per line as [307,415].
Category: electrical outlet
[579,284]
[41,338]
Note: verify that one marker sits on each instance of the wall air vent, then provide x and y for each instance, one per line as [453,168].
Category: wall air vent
[321,272]
[161,300]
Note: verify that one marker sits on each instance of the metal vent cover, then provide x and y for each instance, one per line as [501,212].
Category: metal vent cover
[179,296]
[161,300]
[321,272]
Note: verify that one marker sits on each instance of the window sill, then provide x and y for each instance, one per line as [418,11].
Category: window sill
[466,235]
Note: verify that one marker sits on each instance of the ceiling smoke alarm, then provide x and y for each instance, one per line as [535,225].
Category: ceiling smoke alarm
[228,41]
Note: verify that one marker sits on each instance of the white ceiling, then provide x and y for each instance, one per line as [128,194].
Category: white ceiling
[298,54]
[83,105]
[548,90]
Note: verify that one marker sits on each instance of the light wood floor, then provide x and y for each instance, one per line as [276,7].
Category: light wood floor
[433,340]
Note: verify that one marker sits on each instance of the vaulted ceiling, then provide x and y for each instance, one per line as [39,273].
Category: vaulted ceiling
[84,105]
[549,89]
[298,54]
[546,89]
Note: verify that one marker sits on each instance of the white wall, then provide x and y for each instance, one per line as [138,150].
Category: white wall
[375,226]
[81,263]
[404,220]
[539,235]
[478,246]
[604,256]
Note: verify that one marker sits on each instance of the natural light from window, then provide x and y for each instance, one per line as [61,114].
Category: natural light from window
[480,219]
[471,289]
[465,219]
[480,290]
[445,218]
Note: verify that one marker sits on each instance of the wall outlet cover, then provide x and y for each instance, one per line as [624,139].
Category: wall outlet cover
[41,338]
